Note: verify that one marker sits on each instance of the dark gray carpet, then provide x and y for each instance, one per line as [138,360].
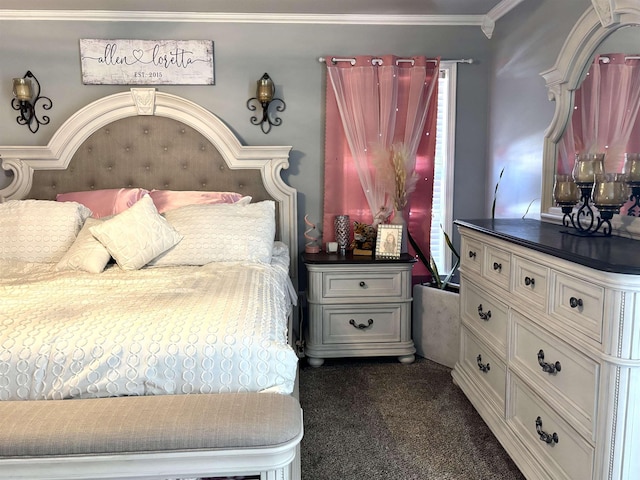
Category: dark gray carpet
[377,419]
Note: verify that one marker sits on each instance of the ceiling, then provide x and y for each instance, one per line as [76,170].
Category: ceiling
[483,13]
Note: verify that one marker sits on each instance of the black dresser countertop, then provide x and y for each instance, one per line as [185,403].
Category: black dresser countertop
[609,254]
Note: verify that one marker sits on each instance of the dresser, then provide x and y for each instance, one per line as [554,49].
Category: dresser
[358,307]
[550,346]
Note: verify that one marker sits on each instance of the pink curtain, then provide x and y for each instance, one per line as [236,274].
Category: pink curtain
[376,102]
[605,113]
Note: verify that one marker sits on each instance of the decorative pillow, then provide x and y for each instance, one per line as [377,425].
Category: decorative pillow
[221,233]
[136,235]
[105,202]
[86,253]
[166,200]
[39,230]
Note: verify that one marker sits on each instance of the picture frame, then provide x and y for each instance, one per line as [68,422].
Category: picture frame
[389,241]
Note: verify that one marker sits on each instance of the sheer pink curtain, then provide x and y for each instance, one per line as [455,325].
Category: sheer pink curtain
[605,114]
[378,101]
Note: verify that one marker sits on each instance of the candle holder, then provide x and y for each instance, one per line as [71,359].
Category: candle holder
[631,171]
[584,219]
[343,232]
[634,209]
[607,192]
[27,99]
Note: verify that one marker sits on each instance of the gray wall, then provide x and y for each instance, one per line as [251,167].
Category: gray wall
[243,52]
[525,43]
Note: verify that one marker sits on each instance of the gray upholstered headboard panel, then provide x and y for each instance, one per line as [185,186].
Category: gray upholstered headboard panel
[148,152]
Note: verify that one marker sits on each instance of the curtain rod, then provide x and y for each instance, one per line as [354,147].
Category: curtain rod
[378,61]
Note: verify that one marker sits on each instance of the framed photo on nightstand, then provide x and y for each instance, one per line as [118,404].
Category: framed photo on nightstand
[388,242]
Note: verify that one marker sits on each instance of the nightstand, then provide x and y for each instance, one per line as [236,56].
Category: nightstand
[358,307]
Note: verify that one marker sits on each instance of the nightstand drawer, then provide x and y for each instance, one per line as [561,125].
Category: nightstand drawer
[564,454]
[371,324]
[578,304]
[357,285]
[565,375]
[485,315]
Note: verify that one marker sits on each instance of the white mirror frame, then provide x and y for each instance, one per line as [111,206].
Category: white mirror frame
[597,23]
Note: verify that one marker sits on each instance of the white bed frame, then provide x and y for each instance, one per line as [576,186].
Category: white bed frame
[22,161]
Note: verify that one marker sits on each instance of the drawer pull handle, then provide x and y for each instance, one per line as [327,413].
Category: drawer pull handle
[529,281]
[552,368]
[361,326]
[497,266]
[482,366]
[484,316]
[363,284]
[575,302]
[472,254]
[549,438]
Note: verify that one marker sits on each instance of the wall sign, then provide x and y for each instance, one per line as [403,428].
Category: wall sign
[147,62]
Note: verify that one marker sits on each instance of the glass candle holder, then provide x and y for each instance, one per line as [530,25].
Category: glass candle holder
[587,166]
[341,224]
[610,190]
[631,168]
[565,190]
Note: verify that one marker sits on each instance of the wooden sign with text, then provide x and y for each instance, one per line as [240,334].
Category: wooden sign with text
[147,62]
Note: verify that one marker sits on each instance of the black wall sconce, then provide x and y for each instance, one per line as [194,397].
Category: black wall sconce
[264,95]
[26,100]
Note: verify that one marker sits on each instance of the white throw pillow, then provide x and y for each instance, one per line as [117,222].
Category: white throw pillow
[39,230]
[86,253]
[136,235]
[221,233]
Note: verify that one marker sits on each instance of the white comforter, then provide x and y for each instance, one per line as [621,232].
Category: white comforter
[171,330]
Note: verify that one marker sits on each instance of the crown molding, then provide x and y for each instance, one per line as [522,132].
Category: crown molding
[497,12]
[212,17]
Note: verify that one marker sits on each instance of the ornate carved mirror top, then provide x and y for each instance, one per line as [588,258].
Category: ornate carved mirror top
[604,42]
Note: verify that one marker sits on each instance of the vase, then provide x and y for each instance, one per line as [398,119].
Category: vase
[341,224]
[399,219]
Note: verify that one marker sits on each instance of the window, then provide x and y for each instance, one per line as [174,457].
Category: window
[442,210]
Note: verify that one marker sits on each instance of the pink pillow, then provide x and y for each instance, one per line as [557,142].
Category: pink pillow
[104,203]
[166,200]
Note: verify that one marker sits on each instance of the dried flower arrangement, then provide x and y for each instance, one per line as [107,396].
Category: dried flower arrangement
[395,171]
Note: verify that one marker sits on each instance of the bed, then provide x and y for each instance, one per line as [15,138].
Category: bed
[149,254]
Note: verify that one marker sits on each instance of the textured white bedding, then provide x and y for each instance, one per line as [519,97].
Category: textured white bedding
[221,327]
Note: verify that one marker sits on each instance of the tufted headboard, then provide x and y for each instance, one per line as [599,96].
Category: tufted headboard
[149,152]
[149,139]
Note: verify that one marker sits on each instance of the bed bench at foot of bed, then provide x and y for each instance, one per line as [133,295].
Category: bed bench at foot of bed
[152,437]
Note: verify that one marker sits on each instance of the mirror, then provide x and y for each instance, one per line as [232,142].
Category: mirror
[601,30]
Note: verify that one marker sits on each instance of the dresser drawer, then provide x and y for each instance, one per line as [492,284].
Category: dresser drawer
[363,285]
[531,282]
[497,266]
[578,304]
[485,315]
[370,324]
[484,367]
[559,371]
[471,255]
[571,457]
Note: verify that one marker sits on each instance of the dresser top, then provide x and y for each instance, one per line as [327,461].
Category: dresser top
[609,254]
